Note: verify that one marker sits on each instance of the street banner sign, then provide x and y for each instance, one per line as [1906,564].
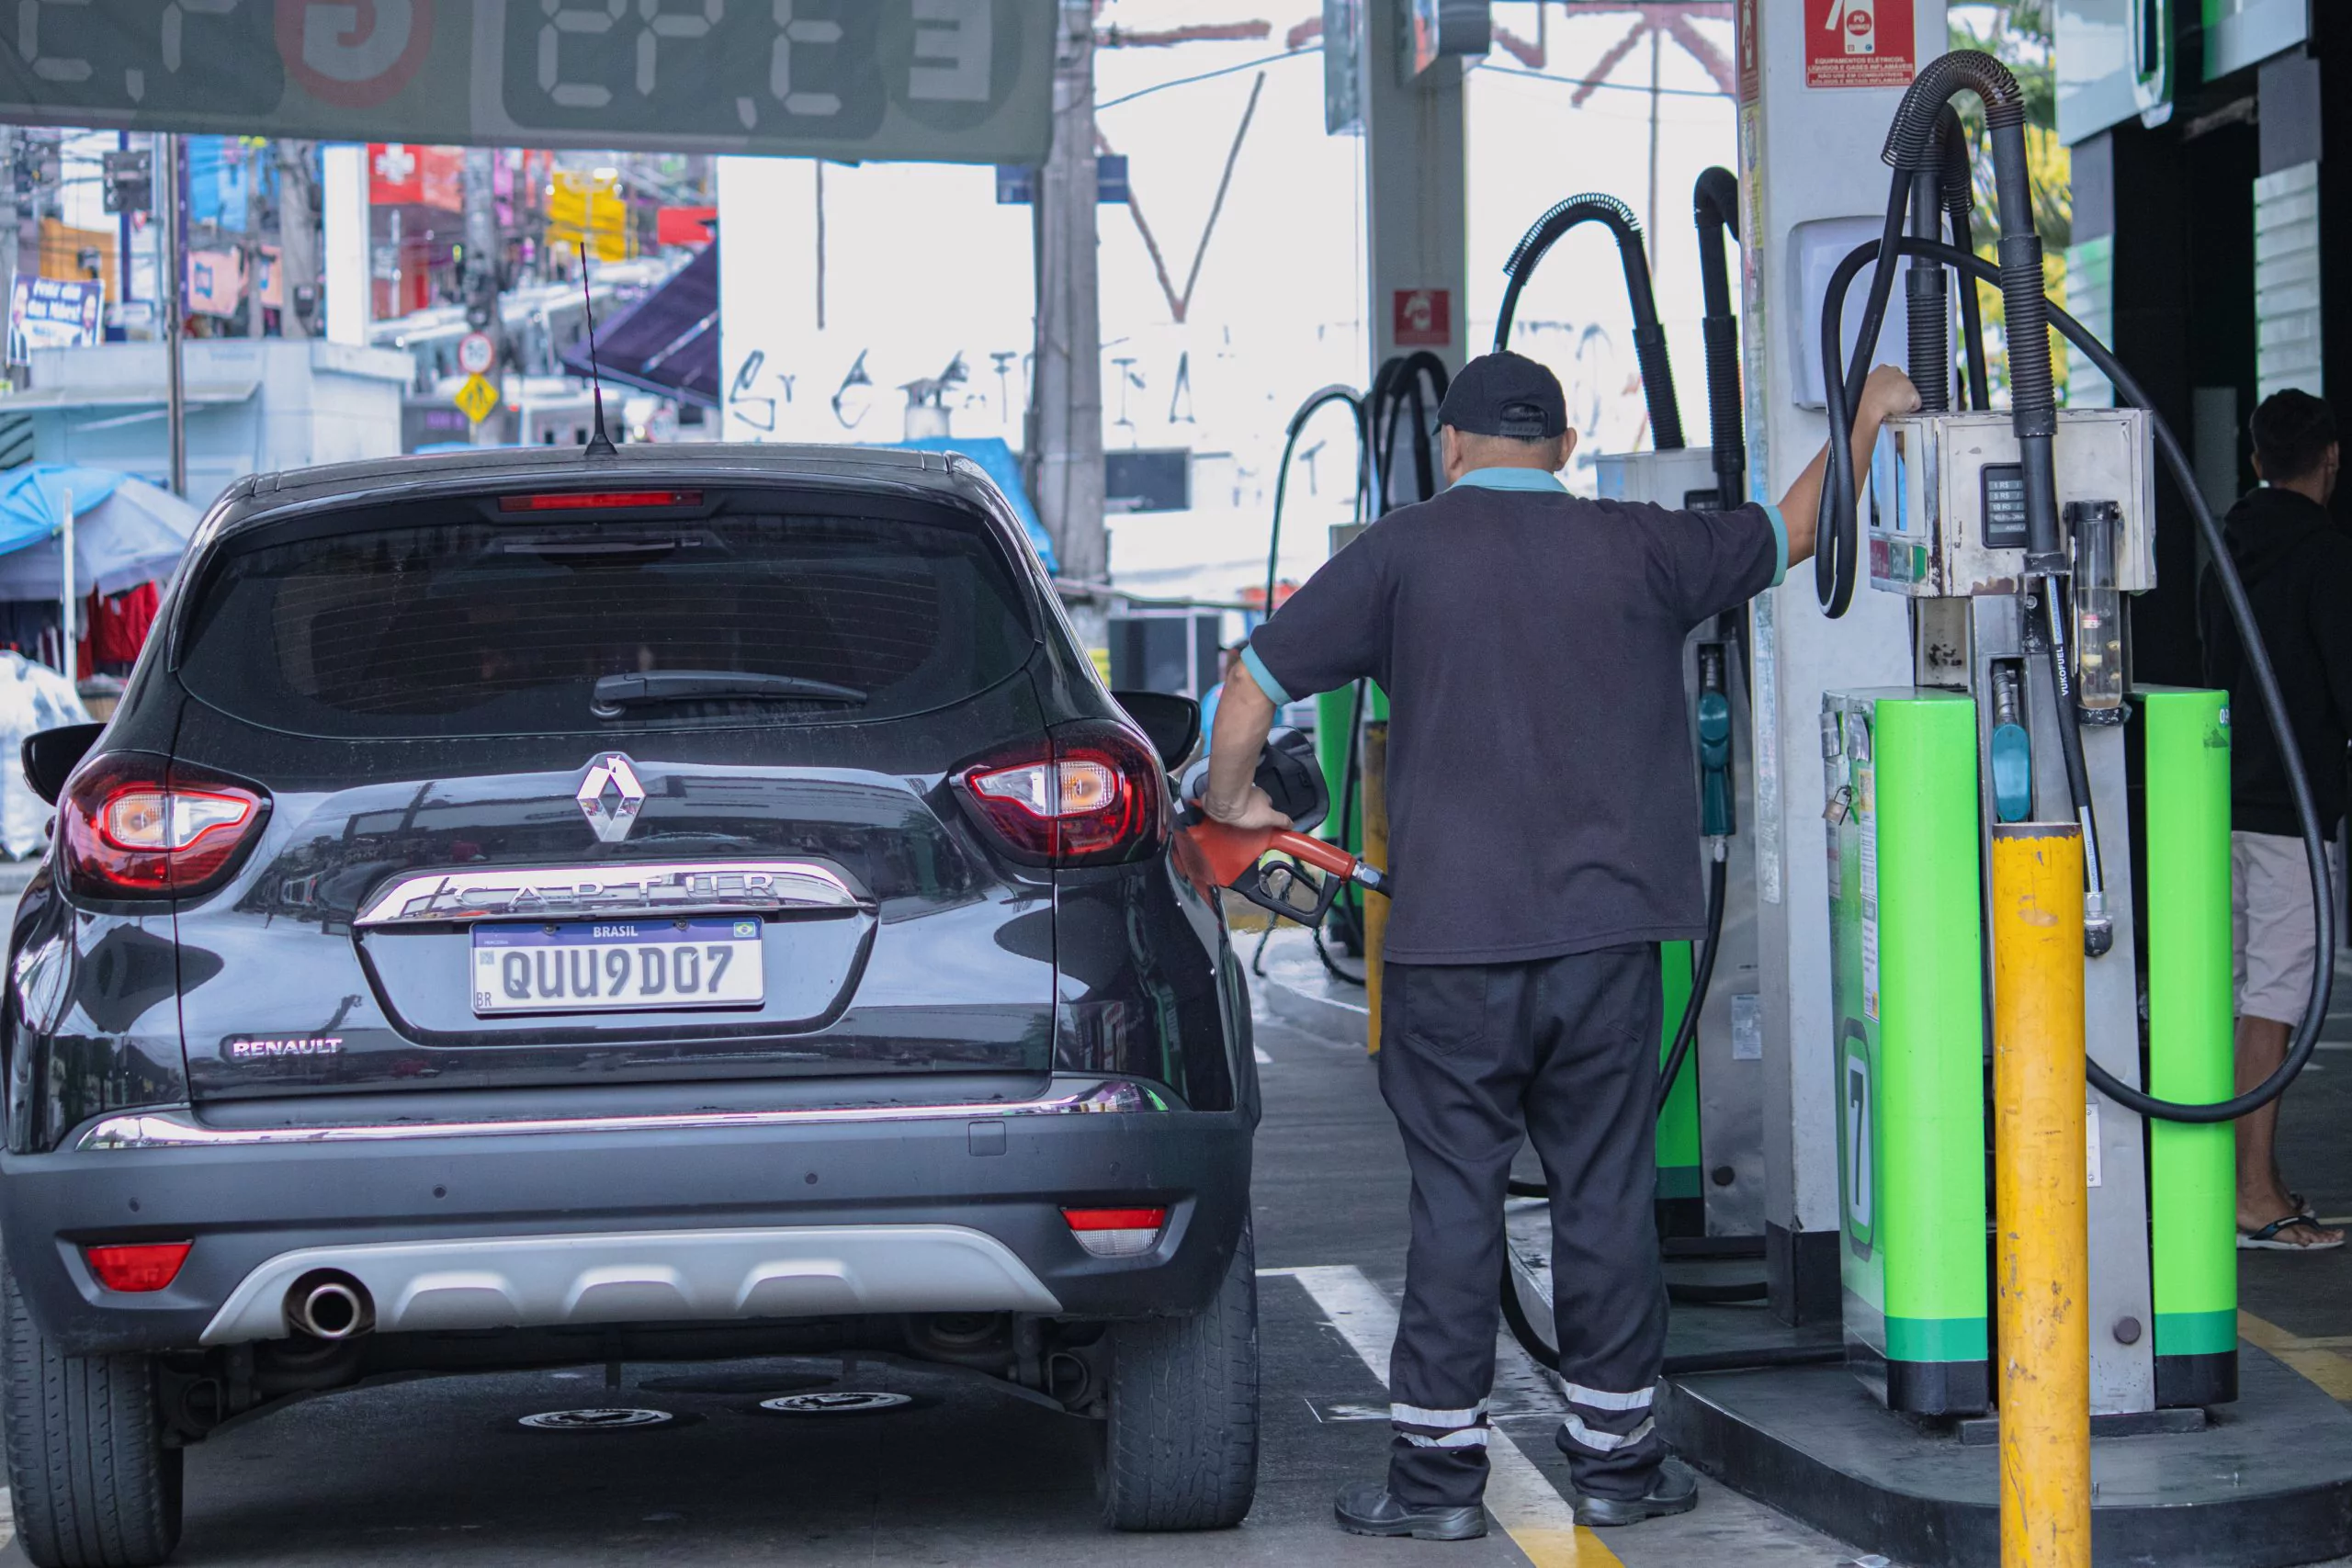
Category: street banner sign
[953,81]
[478,397]
[48,312]
[476,354]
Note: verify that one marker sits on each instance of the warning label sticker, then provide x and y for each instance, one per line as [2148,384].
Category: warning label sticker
[1859,43]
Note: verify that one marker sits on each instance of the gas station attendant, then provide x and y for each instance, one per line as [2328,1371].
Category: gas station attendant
[1538,866]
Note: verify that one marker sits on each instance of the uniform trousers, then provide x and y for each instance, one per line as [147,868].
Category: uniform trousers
[1475,1059]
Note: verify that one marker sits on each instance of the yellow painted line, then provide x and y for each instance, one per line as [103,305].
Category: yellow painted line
[2318,1361]
[1537,1518]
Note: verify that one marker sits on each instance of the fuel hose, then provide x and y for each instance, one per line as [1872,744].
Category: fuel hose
[1306,411]
[1715,202]
[1407,384]
[2305,1040]
[1649,336]
[1751,1358]
[1959,191]
[1408,388]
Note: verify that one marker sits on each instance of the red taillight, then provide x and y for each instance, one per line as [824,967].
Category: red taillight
[1093,795]
[135,826]
[1116,1232]
[138,1267]
[600,501]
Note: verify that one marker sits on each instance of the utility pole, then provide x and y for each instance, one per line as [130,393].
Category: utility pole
[1064,435]
[175,293]
[298,233]
[1651,214]
[11,224]
[485,267]
[256,229]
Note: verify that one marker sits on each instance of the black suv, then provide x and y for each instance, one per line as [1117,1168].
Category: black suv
[690,903]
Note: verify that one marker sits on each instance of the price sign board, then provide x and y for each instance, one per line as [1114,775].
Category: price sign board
[478,397]
[958,81]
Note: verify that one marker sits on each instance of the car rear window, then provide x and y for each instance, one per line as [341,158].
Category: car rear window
[448,626]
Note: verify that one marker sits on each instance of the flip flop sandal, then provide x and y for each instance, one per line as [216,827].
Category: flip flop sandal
[2266,1238]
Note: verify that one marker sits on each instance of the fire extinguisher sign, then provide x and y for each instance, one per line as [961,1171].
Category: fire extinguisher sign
[1859,43]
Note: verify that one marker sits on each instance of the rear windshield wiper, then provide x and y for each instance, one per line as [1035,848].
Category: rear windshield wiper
[615,693]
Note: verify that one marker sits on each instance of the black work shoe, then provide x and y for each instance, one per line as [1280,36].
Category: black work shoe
[1675,1491]
[1367,1507]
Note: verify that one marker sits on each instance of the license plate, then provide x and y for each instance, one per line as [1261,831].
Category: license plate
[618,966]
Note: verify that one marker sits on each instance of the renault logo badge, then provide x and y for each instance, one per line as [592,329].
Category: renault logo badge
[610,796]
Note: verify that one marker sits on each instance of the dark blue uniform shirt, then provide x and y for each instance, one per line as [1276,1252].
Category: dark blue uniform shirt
[1542,791]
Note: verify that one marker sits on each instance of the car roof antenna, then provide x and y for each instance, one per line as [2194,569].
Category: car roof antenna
[599,445]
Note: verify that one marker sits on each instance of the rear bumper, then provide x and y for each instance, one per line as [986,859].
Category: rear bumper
[779,1218]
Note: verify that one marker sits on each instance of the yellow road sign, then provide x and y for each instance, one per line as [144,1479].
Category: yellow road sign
[478,397]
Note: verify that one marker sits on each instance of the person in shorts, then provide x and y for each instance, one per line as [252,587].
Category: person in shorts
[2296,567]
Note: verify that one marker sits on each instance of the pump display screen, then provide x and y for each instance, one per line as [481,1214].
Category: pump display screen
[951,80]
[2005,527]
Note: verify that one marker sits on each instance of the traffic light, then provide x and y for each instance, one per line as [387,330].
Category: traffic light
[39,165]
[130,183]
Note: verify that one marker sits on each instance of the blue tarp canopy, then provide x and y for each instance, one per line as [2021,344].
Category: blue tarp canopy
[996,459]
[126,531]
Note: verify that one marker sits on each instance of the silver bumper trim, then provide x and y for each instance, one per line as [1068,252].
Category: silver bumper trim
[537,1281]
[178,1129]
[618,887]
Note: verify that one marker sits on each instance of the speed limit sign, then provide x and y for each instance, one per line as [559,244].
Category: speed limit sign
[476,354]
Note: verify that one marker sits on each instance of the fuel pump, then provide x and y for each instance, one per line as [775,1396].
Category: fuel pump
[2014,536]
[1710,1123]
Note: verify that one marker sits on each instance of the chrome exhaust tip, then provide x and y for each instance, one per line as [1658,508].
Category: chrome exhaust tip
[330,1306]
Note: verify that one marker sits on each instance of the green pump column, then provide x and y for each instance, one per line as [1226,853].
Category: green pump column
[1333,741]
[2192,1192]
[1906,969]
[1681,1210]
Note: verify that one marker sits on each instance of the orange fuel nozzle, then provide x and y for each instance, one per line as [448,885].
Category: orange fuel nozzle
[1236,858]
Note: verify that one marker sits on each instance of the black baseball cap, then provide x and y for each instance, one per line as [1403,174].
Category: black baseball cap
[1506,394]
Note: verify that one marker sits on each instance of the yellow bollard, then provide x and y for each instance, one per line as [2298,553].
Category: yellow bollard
[1376,853]
[2043,1262]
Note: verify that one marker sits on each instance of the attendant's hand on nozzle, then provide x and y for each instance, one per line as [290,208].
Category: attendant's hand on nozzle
[1254,809]
[1888,394]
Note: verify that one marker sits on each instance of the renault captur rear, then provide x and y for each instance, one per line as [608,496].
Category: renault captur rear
[698,902]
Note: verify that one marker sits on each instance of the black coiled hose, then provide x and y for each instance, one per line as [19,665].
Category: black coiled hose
[1960,208]
[1715,202]
[1649,337]
[1928,301]
[2305,1040]
[1408,387]
[1836,534]
[1306,411]
[1412,384]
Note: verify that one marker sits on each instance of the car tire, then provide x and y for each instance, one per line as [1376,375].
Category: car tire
[1181,1439]
[91,1482]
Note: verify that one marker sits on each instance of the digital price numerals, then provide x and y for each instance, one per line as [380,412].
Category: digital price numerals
[831,70]
[823,68]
